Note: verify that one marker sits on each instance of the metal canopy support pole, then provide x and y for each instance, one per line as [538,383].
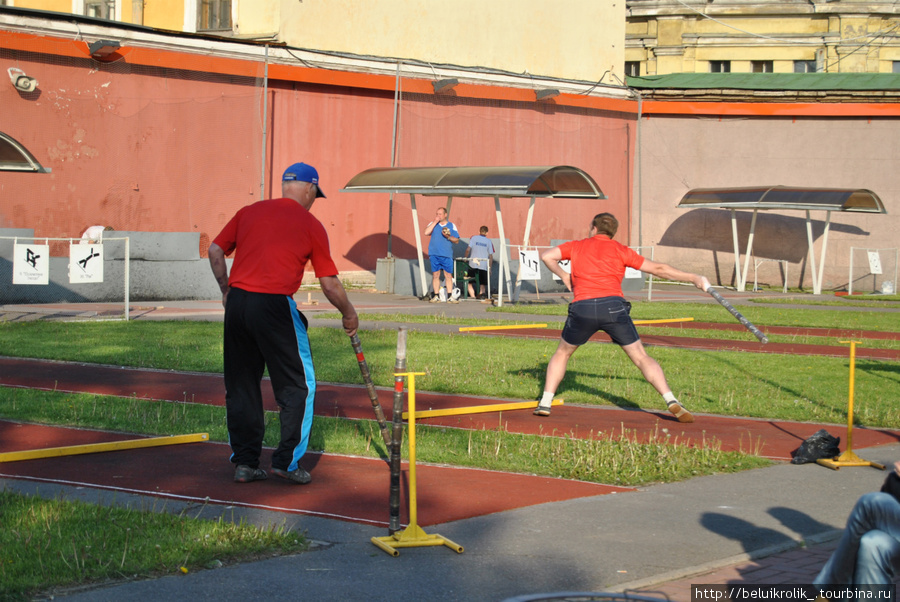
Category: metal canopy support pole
[415,218]
[824,248]
[504,256]
[393,160]
[812,254]
[127,279]
[743,284]
[265,127]
[737,252]
[525,244]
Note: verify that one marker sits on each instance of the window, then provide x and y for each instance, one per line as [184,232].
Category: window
[895,66]
[215,15]
[804,66]
[100,9]
[761,67]
[633,68]
[720,66]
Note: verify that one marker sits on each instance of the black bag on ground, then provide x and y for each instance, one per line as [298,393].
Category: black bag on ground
[820,445]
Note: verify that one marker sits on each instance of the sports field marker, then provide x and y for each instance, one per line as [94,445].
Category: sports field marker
[494,407]
[662,321]
[518,326]
[510,327]
[92,448]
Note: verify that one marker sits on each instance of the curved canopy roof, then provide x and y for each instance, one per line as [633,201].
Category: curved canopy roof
[560,181]
[15,157]
[855,200]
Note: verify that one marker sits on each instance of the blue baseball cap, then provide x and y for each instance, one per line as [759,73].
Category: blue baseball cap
[301,172]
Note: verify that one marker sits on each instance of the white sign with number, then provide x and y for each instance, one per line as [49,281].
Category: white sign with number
[85,263]
[633,273]
[566,265]
[529,265]
[874,262]
[31,264]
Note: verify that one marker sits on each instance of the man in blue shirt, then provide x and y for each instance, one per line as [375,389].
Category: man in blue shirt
[440,251]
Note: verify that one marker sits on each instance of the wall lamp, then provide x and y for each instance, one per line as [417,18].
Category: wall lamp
[546,94]
[445,85]
[103,48]
[22,82]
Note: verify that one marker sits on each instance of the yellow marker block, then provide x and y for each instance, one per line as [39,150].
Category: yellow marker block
[510,327]
[91,448]
[665,321]
[496,407]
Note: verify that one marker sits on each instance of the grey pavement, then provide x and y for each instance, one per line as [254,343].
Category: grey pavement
[770,525]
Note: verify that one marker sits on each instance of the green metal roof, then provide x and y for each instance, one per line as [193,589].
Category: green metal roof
[768,81]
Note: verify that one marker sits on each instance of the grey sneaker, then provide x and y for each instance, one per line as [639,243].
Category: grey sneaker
[435,299]
[245,474]
[298,475]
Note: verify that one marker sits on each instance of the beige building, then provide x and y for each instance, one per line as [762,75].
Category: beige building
[568,39]
[761,36]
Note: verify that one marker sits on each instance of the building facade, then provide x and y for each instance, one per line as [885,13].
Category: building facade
[165,131]
[761,36]
[567,39]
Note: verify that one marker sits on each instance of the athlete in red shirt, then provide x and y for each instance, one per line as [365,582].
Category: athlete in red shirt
[598,265]
[273,241]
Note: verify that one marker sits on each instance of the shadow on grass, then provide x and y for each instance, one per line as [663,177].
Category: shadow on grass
[574,382]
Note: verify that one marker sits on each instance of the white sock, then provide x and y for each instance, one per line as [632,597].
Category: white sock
[669,397]
[547,399]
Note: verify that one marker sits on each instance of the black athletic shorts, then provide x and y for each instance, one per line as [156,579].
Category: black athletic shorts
[609,314]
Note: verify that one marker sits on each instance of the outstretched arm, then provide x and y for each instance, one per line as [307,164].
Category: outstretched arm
[335,293]
[662,270]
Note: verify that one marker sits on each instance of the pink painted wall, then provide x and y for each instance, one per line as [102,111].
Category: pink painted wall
[132,148]
[162,149]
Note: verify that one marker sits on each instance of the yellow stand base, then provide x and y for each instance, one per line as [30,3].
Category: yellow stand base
[413,537]
[848,458]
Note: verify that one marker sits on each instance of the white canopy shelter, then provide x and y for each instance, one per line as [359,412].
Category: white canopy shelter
[783,198]
[561,181]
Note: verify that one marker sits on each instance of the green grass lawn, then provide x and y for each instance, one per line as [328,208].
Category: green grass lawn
[772,386]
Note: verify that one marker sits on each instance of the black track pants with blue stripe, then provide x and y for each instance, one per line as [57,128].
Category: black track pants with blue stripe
[267,331]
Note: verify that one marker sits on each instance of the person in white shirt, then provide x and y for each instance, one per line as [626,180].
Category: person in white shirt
[94,234]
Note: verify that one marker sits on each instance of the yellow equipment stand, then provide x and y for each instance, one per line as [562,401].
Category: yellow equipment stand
[848,458]
[413,536]
[91,448]
[493,407]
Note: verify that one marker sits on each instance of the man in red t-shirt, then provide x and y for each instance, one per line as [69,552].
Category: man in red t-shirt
[273,240]
[597,268]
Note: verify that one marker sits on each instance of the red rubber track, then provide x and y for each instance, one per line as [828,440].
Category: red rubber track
[353,489]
